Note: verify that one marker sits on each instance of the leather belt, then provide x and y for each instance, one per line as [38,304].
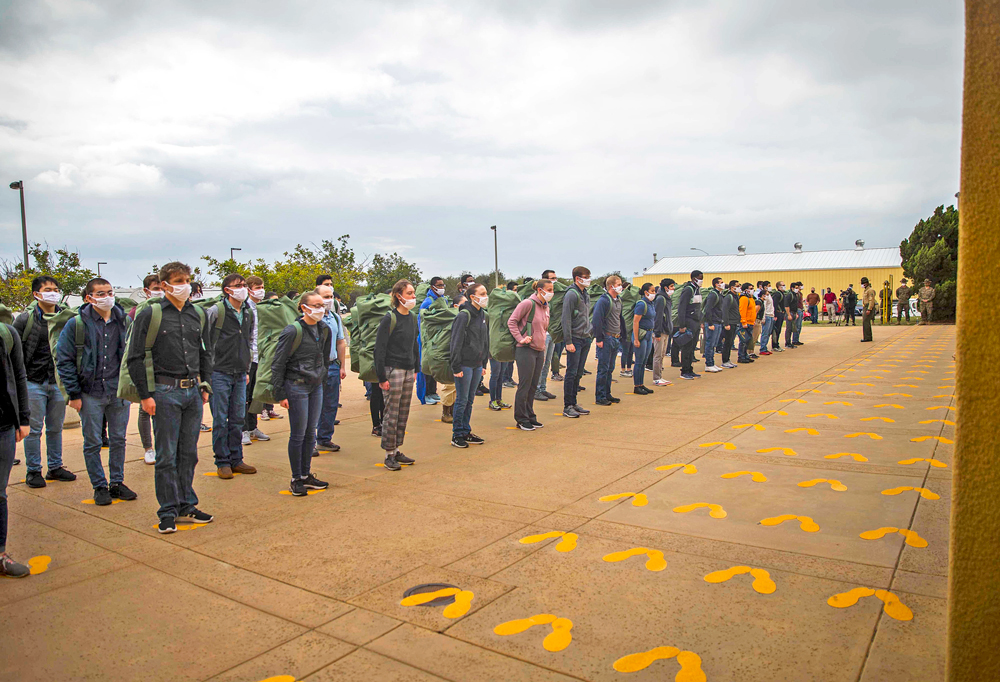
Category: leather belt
[177,383]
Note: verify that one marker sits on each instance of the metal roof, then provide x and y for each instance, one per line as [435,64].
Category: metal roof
[775,262]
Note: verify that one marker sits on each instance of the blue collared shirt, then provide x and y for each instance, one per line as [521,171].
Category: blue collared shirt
[336,326]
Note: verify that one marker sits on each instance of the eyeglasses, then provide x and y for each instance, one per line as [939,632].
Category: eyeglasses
[101,294]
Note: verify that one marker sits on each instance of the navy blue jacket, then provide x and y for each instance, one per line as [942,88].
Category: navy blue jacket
[79,382]
[601,310]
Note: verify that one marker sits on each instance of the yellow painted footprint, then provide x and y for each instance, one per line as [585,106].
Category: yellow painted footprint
[849,393]
[457,609]
[921,439]
[811,432]
[755,476]
[689,661]
[567,544]
[39,564]
[946,422]
[762,582]
[824,414]
[902,395]
[280,678]
[853,455]
[715,510]
[788,452]
[890,602]
[557,640]
[638,499]
[654,562]
[308,492]
[892,405]
[834,484]
[756,427]
[805,523]
[688,468]
[91,501]
[924,492]
[725,446]
[912,539]
[778,412]
[873,436]
[793,400]
[933,462]
[875,419]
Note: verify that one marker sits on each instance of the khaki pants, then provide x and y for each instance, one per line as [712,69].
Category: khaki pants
[659,350]
[755,335]
[447,394]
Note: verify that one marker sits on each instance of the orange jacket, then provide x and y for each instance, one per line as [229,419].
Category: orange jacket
[748,310]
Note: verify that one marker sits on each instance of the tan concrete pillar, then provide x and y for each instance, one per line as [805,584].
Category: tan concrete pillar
[974,564]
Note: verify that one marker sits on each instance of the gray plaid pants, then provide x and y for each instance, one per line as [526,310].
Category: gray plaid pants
[397,407]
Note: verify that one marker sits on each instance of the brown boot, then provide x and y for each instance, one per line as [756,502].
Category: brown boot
[446,413]
[244,468]
[225,472]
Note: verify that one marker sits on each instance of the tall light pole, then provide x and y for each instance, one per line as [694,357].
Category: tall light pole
[496,259]
[231,256]
[19,185]
[99,264]
[702,250]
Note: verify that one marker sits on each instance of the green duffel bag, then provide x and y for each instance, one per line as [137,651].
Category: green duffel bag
[555,311]
[501,304]
[629,297]
[272,317]
[435,339]
[365,318]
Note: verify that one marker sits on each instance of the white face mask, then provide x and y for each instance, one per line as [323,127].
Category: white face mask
[180,291]
[157,294]
[545,295]
[327,304]
[650,297]
[585,281]
[49,296]
[106,303]
[257,294]
[618,289]
[240,293]
[670,292]
[408,303]
[313,313]
[439,291]
[698,282]
[482,300]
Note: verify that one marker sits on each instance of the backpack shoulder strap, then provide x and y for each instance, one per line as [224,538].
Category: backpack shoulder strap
[220,320]
[80,338]
[392,322]
[155,316]
[298,336]
[7,338]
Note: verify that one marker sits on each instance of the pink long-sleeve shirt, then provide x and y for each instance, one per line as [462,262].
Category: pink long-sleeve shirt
[539,324]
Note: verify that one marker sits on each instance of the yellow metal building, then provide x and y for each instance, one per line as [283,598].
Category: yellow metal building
[821,269]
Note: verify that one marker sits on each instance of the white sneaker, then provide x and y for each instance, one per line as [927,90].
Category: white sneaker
[728,365]
[263,417]
[246,438]
[150,456]
[713,368]
[661,382]
[257,434]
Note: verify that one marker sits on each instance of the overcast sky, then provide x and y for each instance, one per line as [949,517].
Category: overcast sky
[592,132]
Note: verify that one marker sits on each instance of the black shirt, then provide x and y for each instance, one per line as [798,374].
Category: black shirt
[181,349]
[108,356]
[13,387]
[38,365]
[399,349]
[308,364]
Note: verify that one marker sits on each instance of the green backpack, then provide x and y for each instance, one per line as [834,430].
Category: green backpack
[365,317]
[629,297]
[435,340]
[6,316]
[501,304]
[6,337]
[273,316]
[555,311]
[54,323]
[421,292]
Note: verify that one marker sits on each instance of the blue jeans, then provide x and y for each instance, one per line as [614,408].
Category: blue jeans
[46,404]
[745,333]
[331,398]
[304,405]
[765,332]
[712,337]
[641,353]
[606,355]
[7,449]
[465,393]
[814,314]
[229,408]
[798,327]
[497,372]
[93,412]
[176,427]
[549,349]
[574,370]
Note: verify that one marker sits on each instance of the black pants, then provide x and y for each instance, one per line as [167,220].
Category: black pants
[850,315]
[727,341]
[675,353]
[866,325]
[250,421]
[779,320]
[431,385]
[376,405]
[529,370]
[687,356]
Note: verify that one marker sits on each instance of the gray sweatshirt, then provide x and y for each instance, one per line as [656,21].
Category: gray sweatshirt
[576,315]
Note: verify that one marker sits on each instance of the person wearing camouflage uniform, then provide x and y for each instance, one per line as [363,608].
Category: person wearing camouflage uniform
[926,296]
[903,294]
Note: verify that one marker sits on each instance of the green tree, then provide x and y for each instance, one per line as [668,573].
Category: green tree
[384,271]
[15,286]
[64,265]
[931,252]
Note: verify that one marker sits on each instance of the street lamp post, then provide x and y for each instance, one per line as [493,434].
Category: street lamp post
[231,256]
[496,259]
[702,250]
[99,264]
[19,185]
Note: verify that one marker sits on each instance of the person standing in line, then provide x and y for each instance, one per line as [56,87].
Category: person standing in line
[529,353]
[812,301]
[903,294]
[606,324]
[542,393]
[755,293]
[92,386]
[151,288]
[663,329]
[869,307]
[643,320]
[766,310]
[449,392]
[792,313]
[830,301]
[713,319]
[577,333]
[15,420]
[396,365]
[748,318]
[250,430]
[182,364]
[46,403]
[800,316]
[731,321]
[434,292]
[468,350]
[851,304]
[301,358]
[926,297]
[780,315]
[689,316]
[335,373]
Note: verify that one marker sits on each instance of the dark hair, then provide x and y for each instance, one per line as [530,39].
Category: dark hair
[511,285]
[42,280]
[196,287]
[89,288]
[545,273]
[759,283]
[474,286]
[150,279]
[746,285]
[466,277]
[697,274]
[172,268]
[580,271]
[666,282]
[458,300]
[435,280]
[322,278]
[733,283]
[397,291]
[292,294]
[254,281]
[232,278]
[646,287]
[765,283]
[271,294]
[716,280]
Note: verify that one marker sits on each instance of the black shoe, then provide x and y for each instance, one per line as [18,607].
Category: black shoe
[314,483]
[689,375]
[34,479]
[580,410]
[473,439]
[459,442]
[102,497]
[509,384]
[327,446]
[586,372]
[744,361]
[197,516]
[525,426]
[550,396]
[481,390]
[298,487]
[582,388]
[60,474]
[540,396]
[614,399]
[120,491]
[377,431]
[315,452]
[167,525]
[754,356]
[798,343]
[604,403]
[336,422]
[403,459]
[537,424]
[570,412]
[391,464]
[16,462]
